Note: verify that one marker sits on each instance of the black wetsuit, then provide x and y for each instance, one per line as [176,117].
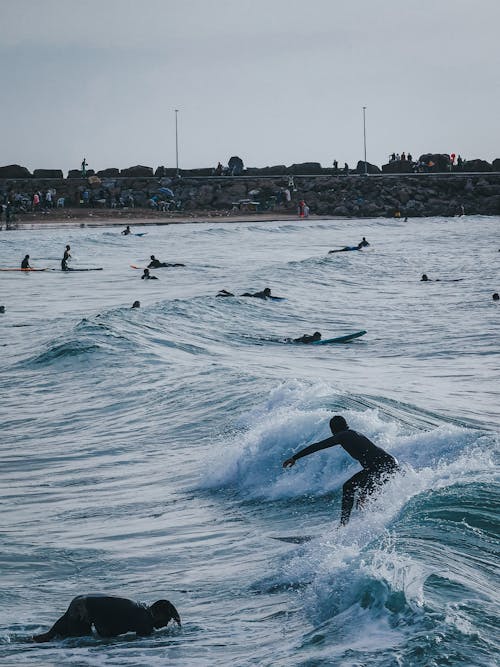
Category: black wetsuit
[64,261]
[110,615]
[25,264]
[377,465]
[145,276]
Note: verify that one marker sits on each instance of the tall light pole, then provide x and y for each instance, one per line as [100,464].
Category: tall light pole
[364,138]
[176,144]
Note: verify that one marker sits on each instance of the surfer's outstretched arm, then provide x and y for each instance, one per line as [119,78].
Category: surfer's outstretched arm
[310,449]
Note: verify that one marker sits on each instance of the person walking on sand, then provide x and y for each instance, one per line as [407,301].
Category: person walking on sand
[377,464]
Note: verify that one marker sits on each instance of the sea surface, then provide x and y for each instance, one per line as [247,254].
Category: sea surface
[141,450]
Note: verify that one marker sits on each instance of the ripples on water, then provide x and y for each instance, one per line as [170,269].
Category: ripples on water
[142,449]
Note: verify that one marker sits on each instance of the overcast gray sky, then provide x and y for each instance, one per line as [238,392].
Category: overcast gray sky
[273,81]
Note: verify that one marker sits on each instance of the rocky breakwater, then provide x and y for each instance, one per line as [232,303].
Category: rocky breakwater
[356,195]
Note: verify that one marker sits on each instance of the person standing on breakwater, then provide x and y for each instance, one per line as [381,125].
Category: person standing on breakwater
[377,464]
[84,168]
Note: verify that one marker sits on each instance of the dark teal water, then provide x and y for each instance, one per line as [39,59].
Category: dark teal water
[141,450]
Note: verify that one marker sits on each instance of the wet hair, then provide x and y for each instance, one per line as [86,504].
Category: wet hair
[338,423]
[152,257]
[136,304]
[163,612]
[267,290]
[424,277]
[317,335]
[2,309]
[496,296]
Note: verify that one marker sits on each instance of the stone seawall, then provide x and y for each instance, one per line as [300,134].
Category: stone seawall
[360,196]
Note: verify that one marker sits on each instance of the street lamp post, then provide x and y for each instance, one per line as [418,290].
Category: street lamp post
[364,138]
[176,144]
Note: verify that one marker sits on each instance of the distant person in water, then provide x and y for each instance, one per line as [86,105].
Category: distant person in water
[25,264]
[264,294]
[66,257]
[348,247]
[111,616]
[224,292]
[2,309]
[136,304]
[308,339]
[363,243]
[377,464]
[147,276]
[496,296]
[127,231]
[156,264]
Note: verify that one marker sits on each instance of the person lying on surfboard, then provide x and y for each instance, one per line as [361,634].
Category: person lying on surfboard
[308,339]
[348,247]
[127,231]
[111,616]
[25,264]
[156,264]
[377,464]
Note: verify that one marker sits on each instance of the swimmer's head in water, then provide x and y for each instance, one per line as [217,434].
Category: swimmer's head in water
[2,309]
[153,257]
[68,247]
[136,304]
[424,277]
[316,335]
[338,424]
[163,612]
[496,296]
[267,291]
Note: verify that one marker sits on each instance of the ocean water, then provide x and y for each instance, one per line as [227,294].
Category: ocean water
[142,449]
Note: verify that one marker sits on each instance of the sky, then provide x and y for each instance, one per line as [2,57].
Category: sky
[272,81]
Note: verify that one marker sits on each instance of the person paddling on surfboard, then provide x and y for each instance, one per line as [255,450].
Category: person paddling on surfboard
[308,339]
[147,276]
[25,264]
[111,616]
[156,264]
[377,464]
[127,231]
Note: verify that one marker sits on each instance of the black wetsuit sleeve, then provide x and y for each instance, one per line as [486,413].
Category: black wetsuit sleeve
[316,447]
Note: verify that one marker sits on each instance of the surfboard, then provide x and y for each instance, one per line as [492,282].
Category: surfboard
[24,270]
[70,270]
[294,539]
[346,249]
[140,234]
[141,268]
[339,339]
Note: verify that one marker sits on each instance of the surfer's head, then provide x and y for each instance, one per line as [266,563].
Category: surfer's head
[136,304]
[146,272]
[496,296]
[2,309]
[153,257]
[68,247]
[316,335]
[267,292]
[338,424]
[163,612]
[424,278]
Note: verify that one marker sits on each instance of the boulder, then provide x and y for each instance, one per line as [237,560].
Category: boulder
[74,173]
[48,173]
[305,168]
[397,167]
[477,165]
[14,171]
[137,171]
[437,162]
[496,164]
[108,173]
[235,166]
[276,170]
[370,168]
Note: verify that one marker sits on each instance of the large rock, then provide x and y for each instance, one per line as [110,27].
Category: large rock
[235,166]
[14,171]
[477,165]
[276,170]
[437,162]
[370,168]
[137,171]
[305,168]
[112,172]
[496,164]
[397,167]
[48,173]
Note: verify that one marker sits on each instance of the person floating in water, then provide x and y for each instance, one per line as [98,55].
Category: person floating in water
[224,292]
[264,294]
[2,309]
[308,339]
[496,296]
[363,243]
[136,304]
[377,464]
[25,264]
[66,257]
[111,616]
[156,264]
[147,276]
[349,247]
[127,231]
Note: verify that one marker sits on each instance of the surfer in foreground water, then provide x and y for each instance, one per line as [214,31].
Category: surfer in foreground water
[25,264]
[147,276]
[377,464]
[111,616]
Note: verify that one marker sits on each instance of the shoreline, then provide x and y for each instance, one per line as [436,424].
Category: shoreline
[141,218]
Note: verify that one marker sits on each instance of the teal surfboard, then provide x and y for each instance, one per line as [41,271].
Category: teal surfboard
[339,339]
